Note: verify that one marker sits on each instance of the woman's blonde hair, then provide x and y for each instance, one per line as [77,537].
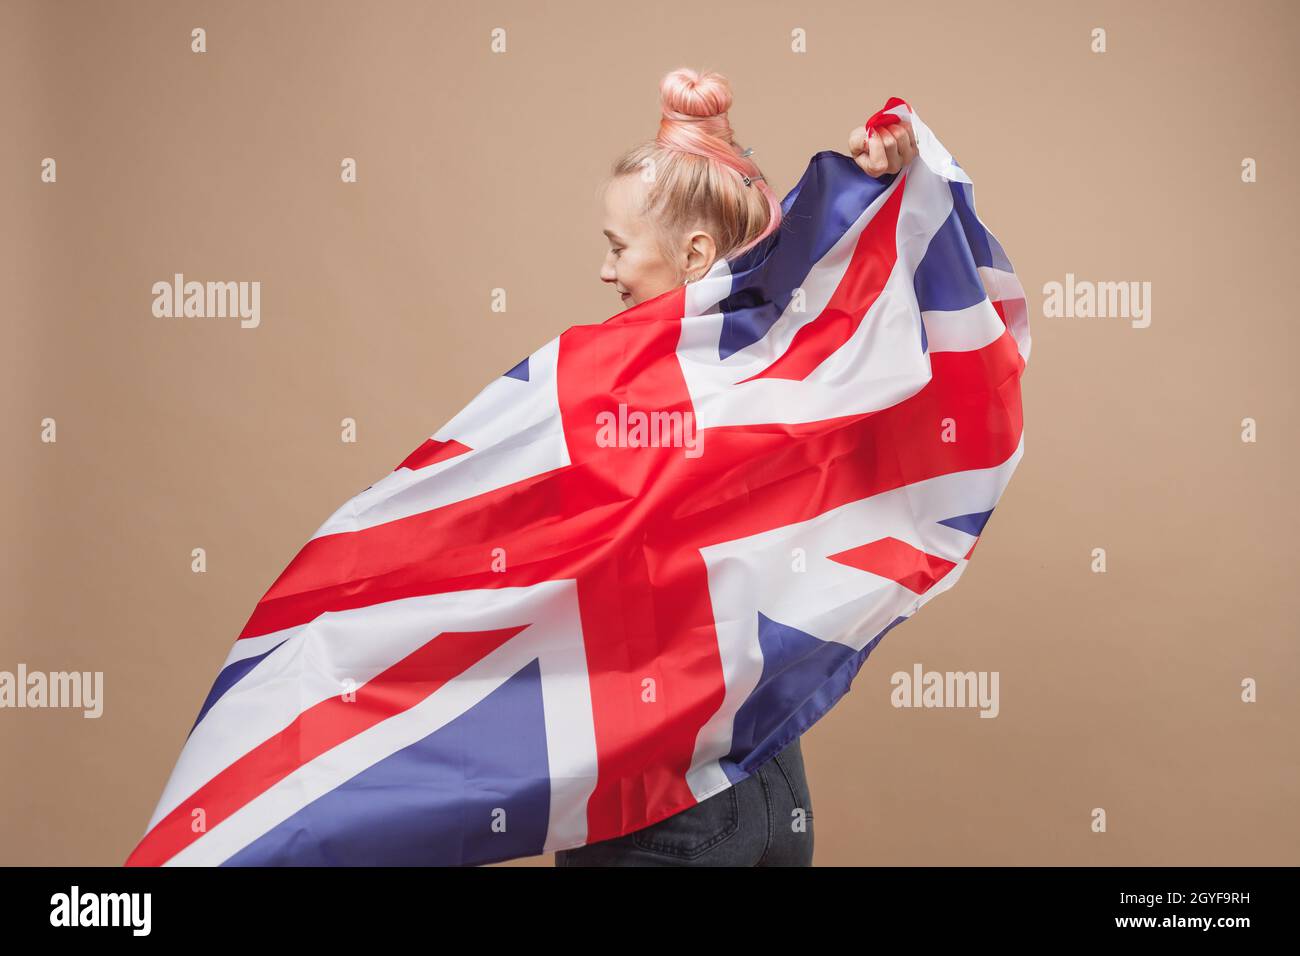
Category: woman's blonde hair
[697,172]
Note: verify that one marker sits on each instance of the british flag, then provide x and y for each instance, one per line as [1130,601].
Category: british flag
[528,637]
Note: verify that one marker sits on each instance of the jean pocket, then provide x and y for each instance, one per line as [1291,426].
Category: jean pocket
[694,830]
[790,764]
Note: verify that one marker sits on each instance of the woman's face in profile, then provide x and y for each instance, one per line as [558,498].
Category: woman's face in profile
[634,265]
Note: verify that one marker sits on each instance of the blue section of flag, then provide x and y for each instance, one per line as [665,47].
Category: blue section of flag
[436,800]
[984,246]
[831,196]
[972,523]
[228,678]
[520,371]
[947,279]
[803,676]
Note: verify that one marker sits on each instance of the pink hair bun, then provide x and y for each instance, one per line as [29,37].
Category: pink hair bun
[686,95]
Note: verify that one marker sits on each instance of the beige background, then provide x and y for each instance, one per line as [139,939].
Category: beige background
[1118,690]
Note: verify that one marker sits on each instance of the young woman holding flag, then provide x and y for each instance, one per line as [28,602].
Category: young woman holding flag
[673,207]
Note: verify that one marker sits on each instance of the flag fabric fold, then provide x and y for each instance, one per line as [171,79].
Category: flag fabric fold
[637,564]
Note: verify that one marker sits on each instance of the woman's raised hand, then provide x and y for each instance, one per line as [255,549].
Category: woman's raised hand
[887,150]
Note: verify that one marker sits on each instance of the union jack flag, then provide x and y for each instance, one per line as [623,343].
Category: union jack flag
[529,637]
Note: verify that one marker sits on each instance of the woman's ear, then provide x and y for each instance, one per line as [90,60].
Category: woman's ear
[699,254]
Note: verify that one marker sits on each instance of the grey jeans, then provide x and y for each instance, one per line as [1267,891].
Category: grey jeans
[765,820]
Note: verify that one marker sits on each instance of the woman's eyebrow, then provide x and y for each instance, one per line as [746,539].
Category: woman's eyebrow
[613,235]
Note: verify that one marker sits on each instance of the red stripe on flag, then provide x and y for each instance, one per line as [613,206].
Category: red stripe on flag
[849,459]
[898,561]
[431,452]
[647,622]
[1000,309]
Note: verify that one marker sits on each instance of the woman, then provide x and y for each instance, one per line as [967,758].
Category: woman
[673,207]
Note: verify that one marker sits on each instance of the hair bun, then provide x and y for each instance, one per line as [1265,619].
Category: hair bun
[686,94]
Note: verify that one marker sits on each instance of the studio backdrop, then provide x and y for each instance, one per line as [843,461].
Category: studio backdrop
[402,203]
